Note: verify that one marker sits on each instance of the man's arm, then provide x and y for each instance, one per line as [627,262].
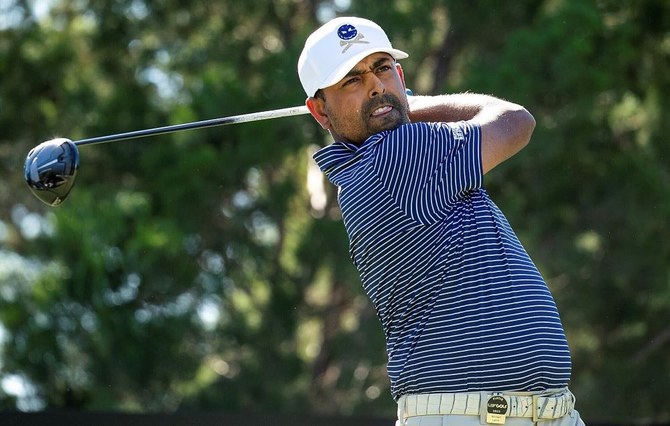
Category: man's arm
[506,127]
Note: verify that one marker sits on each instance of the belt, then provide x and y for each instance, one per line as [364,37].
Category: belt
[538,406]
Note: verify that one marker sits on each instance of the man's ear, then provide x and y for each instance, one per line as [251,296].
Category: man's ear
[401,73]
[317,108]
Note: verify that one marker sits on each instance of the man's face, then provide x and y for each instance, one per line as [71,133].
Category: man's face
[369,99]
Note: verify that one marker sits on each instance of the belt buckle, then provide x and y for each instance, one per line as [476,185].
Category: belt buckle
[535,408]
[497,408]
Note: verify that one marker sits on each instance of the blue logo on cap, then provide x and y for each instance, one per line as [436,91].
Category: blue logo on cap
[347,32]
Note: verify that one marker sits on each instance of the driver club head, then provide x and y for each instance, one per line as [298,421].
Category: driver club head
[50,170]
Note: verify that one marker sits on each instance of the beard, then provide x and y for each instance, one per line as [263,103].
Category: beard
[357,125]
[395,118]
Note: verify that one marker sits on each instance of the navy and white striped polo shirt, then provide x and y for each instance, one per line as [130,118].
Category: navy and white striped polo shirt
[462,305]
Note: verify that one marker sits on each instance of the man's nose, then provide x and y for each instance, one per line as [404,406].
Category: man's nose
[377,87]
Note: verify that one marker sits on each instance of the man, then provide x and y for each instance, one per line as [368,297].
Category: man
[472,332]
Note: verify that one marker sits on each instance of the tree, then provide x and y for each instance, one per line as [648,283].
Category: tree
[189,252]
[209,270]
[587,194]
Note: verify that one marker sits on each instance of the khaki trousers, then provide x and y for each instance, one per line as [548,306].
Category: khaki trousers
[571,419]
[550,408]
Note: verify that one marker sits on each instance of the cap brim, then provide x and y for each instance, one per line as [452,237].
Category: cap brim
[344,68]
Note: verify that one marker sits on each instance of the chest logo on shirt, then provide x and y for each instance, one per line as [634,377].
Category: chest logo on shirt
[349,36]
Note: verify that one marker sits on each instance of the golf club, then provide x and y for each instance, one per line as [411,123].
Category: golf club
[51,167]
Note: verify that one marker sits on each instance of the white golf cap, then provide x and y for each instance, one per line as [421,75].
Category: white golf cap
[336,47]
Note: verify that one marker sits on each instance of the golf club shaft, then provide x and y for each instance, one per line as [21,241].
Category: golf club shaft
[243,118]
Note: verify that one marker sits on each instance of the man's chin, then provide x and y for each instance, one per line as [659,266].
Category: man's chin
[390,121]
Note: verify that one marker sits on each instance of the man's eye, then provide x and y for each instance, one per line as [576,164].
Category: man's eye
[384,68]
[351,81]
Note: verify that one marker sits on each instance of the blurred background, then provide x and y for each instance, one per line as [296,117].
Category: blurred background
[208,270]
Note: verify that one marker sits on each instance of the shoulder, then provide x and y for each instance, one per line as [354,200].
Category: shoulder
[428,132]
[333,154]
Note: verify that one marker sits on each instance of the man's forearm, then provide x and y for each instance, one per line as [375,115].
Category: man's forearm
[448,108]
[505,127]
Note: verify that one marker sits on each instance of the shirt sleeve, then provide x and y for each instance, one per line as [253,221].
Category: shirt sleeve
[427,167]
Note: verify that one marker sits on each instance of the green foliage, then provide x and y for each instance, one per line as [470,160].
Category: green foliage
[209,270]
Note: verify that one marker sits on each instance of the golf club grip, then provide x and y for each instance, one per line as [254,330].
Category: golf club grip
[243,118]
